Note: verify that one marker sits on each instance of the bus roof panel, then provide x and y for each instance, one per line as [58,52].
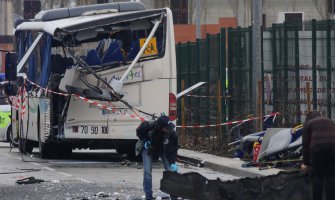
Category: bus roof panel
[81,22]
[61,13]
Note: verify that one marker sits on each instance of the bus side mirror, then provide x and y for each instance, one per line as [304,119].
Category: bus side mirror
[11,66]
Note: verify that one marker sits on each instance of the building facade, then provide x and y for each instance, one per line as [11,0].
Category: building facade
[213,10]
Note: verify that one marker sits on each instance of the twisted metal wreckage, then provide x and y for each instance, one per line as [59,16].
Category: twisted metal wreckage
[278,146]
[285,185]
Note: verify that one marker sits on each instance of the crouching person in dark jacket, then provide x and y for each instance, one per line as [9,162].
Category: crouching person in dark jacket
[157,138]
[319,154]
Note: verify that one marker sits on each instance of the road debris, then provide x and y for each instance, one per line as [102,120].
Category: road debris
[29,180]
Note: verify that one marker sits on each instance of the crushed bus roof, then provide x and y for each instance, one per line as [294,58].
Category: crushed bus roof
[82,22]
[62,13]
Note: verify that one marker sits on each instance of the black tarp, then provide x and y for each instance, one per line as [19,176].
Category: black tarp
[283,186]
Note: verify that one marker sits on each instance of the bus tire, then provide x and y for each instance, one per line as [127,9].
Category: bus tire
[65,150]
[11,138]
[25,146]
[42,147]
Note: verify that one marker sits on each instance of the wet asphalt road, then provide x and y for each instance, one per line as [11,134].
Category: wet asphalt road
[87,174]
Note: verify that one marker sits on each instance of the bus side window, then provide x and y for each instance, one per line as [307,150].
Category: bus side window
[114,53]
[134,49]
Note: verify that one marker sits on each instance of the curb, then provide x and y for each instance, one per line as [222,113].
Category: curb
[234,170]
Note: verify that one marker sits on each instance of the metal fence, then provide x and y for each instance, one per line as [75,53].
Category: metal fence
[202,61]
[298,63]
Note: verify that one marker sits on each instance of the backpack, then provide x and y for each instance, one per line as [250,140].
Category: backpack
[143,129]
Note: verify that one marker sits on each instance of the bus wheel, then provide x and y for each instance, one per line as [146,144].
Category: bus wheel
[65,150]
[43,148]
[25,146]
[11,138]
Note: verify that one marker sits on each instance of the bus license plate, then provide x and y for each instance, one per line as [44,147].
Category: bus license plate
[93,130]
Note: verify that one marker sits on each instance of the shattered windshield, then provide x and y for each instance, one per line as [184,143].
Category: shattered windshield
[117,44]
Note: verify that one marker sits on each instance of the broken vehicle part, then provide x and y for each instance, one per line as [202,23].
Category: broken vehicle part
[190,89]
[285,185]
[117,84]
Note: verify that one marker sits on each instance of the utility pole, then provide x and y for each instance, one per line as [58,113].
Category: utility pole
[198,19]
[256,61]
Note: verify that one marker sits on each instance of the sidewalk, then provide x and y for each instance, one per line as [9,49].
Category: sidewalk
[223,164]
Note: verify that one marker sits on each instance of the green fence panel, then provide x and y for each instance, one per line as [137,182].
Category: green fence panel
[292,55]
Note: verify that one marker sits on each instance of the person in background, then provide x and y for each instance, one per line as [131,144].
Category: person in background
[319,154]
[157,138]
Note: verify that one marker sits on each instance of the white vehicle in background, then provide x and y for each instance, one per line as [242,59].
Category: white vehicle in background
[116,55]
[5,118]
[5,125]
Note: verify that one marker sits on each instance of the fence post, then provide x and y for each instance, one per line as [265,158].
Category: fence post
[308,87]
[198,91]
[219,109]
[329,70]
[223,78]
[237,67]
[223,71]
[230,77]
[179,76]
[314,64]
[297,73]
[182,130]
[188,83]
[274,66]
[262,70]
[285,114]
[208,82]
[259,111]
[252,83]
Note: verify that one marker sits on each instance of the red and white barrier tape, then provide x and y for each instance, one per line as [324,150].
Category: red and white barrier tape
[102,106]
[113,109]
[15,104]
[47,90]
[228,123]
[23,108]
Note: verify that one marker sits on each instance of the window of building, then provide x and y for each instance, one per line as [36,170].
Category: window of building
[264,21]
[180,11]
[31,8]
[295,19]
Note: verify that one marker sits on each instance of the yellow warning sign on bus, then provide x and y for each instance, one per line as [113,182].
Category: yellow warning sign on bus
[151,48]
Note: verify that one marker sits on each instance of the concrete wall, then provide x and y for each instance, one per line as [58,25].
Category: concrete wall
[6,21]
[313,9]
[212,10]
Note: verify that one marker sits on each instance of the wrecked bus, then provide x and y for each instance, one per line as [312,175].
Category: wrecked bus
[75,64]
